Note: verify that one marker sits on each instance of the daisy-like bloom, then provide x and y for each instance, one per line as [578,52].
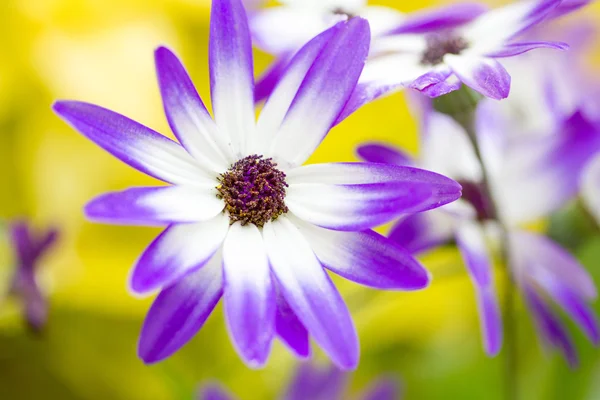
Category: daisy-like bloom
[549,91]
[433,51]
[246,220]
[530,177]
[283,30]
[316,383]
[29,248]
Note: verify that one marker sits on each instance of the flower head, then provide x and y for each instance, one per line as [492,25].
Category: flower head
[246,221]
[530,178]
[316,383]
[29,248]
[433,51]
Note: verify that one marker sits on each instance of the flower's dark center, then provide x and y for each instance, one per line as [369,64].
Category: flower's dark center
[253,191]
[342,12]
[438,45]
[474,193]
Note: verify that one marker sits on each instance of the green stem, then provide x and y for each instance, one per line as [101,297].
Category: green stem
[510,321]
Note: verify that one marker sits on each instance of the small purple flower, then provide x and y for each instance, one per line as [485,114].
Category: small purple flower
[246,221]
[316,383]
[29,248]
[531,176]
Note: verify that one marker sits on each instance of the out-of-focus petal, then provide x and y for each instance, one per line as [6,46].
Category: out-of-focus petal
[530,252]
[358,196]
[179,312]
[485,75]
[232,74]
[440,18]
[290,329]
[423,231]
[280,30]
[323,93]
[546,164]
[176,251]
[134,144]
[490,31]
[366,258]
[187,115]
[590,187]
[384,154]
[471,243]
[213,392]
[383,389]
[249,298]
[310,293]
[156,205]
[316,383]
[514,49]
[382,19]
[572,302]
[550,327]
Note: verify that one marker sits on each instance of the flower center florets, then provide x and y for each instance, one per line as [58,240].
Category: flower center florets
[438,45]
[253,190]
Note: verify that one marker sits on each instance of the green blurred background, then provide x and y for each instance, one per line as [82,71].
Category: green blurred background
[101,51]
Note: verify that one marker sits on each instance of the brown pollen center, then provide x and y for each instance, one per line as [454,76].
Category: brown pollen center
[253,190]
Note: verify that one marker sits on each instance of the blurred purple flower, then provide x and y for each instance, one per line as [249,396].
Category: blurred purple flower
[432,51]
[246,220]
[531,176]
[316,383]
[29,249]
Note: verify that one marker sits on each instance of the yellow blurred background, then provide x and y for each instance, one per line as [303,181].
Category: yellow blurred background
[101,51]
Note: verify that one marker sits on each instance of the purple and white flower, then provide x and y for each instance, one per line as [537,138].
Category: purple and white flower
[246,221]
[433,51]
[29,248]
[530,177]
[284,29]
[316,383]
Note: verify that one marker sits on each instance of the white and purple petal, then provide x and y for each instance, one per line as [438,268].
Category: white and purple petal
[292,75]
[471,243]
[134,144]
[384,154]
[156,205]
[484,75]
[550,327]
[365,257]
[440,18]
[359,196]
[323,93]
[436,83]
[187,115]
[423,231]
[179,312]
[490,31]
[249,297]
[232,74]
[570,300]
[514,49]
[546,165]
[310,293]
[178,250]
[289,328]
